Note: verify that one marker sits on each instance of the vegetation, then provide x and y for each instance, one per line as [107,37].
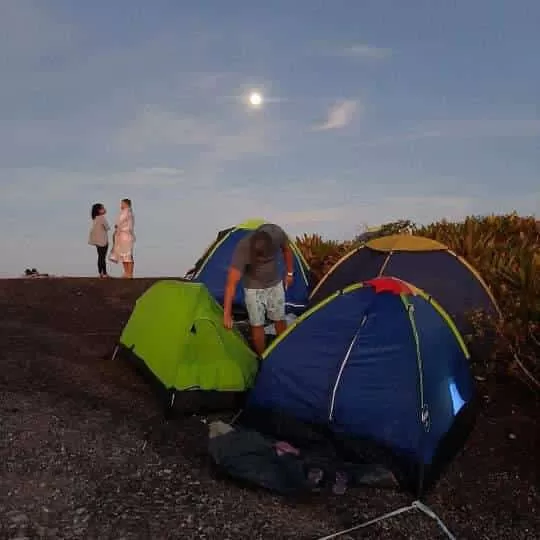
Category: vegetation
[506,251]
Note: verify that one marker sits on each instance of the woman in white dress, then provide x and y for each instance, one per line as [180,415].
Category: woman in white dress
[124,238]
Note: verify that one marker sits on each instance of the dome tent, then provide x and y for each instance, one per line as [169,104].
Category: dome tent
[211,269]
[429,264]
[175,336]
[377,369]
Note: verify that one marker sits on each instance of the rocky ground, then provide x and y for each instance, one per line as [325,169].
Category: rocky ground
[85,453]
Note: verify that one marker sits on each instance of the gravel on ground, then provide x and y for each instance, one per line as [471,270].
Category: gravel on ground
[85,451]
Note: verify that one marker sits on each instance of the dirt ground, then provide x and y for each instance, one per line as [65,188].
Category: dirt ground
[85,453]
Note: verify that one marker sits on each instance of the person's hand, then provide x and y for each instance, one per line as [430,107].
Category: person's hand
[227,321]
[288,281]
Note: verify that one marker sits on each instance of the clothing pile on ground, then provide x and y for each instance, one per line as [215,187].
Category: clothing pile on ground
[280,467]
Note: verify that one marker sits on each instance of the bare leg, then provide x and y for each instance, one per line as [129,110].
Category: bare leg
[129,267]
[126,270]
[259,339]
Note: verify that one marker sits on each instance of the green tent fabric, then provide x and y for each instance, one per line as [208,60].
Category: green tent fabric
[176,332]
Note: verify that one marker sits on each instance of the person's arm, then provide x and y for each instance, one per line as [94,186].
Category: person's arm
[289,259]
[233,277]
[287,256]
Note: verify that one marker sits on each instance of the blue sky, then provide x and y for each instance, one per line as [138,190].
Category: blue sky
[374,110]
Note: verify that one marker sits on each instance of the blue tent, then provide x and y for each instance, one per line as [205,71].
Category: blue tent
[378,369]
[456,285]
[211,269]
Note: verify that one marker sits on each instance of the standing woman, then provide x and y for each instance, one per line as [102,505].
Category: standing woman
[124,238]
[99,237]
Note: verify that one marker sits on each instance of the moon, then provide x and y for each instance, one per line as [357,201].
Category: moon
[255,99]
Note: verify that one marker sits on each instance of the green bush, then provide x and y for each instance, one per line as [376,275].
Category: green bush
[505,249]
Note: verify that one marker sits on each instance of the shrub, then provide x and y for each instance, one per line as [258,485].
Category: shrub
[505,249]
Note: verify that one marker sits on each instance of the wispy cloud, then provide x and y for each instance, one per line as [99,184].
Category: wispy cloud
[204,145]
[310,217]
[153,126]
[359,50]
[462,129]
[363,50]
[63,186]
[339,115]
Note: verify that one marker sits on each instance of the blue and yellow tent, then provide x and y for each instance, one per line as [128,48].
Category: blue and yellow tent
[377,369]
[428,264]
[211,269]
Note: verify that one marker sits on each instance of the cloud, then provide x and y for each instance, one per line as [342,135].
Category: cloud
[36,184]
[310,217]
[154,126]
[339,116]
[362,50]
[224,139]
[178,215]
[204,146]
[462,129]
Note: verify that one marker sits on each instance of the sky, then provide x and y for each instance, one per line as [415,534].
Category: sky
[373,111]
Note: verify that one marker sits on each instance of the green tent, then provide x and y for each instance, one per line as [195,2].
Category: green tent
[176,335]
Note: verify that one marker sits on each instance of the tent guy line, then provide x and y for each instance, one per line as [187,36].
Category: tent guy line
[416,505]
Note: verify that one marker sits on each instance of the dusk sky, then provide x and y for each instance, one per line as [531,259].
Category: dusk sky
[373,111]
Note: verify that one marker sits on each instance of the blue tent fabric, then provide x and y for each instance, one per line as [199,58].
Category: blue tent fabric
[377,394]
[450,382]
[380,369]
[441,274]
[445,277]
[299,376]
[213,274]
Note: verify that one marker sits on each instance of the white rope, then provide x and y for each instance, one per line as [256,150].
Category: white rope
[416,505]
[368,523]
[235,417]
[518,361]
[429,512]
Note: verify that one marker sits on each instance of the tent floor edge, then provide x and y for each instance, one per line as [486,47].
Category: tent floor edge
[187,402]
[128,355]
[174,402]
[451,444]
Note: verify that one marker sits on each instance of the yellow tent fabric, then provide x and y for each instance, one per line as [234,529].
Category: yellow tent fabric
[405,242]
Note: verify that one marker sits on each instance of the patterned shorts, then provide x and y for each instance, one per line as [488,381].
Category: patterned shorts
[265,302]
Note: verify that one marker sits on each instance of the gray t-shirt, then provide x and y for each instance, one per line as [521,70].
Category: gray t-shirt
[99,232]
[261,275]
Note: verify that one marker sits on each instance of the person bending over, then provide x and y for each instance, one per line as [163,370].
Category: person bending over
[255,262]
